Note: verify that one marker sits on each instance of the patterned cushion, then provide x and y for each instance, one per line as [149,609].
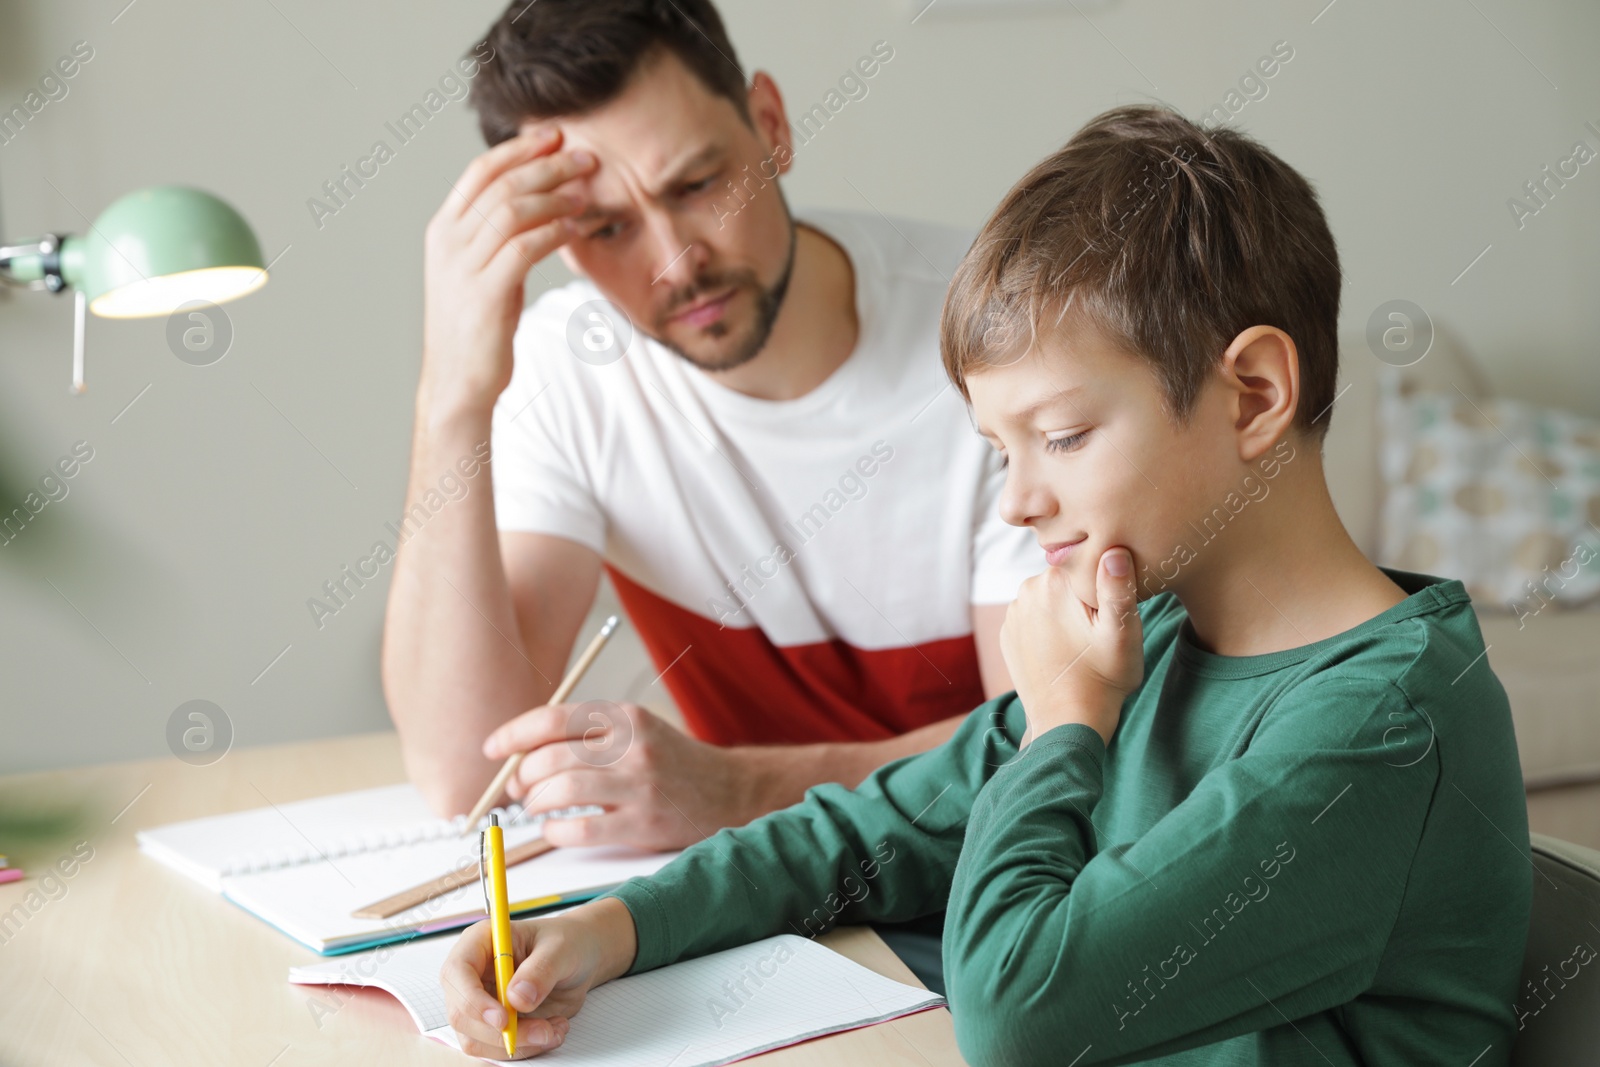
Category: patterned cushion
[1501,494]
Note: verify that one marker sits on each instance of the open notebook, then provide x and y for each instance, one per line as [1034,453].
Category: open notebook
[305,866]
[698,1013]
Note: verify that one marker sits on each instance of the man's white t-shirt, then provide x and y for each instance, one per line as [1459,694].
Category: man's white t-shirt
[802,570]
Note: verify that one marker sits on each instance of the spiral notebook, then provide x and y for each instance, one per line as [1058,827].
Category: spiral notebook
[305,866]
[698,1013]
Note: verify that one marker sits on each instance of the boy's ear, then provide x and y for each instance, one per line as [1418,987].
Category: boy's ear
[1261,370]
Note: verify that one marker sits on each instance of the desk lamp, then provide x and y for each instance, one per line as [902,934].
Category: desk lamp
[147,254]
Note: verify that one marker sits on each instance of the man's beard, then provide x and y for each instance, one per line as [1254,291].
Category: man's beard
[768,302]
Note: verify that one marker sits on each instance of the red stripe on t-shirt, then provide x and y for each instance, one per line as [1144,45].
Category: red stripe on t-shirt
[735,687]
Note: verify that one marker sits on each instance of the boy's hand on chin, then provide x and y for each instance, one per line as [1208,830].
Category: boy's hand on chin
[1071,662]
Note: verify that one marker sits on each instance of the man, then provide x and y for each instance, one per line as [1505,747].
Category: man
[741,416]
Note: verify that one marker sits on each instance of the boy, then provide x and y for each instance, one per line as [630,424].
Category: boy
[1255,800]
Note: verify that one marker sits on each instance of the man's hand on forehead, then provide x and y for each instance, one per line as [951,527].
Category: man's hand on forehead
[577,185]
[508,210]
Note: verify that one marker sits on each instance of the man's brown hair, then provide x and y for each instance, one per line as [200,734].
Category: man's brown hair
[567,57]
[1168,239]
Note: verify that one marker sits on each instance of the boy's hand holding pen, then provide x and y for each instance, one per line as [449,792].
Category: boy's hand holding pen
[559,959]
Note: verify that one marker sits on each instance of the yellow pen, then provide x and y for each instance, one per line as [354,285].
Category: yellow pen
[492,864]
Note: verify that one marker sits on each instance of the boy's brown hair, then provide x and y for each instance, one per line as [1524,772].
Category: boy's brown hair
[566,57]
[1168,239]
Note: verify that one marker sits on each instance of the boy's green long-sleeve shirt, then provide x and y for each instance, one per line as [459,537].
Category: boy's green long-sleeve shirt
[1316,856]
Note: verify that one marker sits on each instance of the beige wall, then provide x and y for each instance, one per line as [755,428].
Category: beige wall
[180,562]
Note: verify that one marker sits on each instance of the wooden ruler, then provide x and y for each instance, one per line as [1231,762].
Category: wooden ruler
[466,874]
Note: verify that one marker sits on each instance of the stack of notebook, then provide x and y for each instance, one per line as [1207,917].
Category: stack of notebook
[306,866]
[8,873]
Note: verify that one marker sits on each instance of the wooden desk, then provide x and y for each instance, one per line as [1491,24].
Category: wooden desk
[129,964]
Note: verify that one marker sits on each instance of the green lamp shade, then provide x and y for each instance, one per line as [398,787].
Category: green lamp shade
[159,248]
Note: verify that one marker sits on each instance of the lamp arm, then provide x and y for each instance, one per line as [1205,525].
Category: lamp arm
[34,264]
[37,265]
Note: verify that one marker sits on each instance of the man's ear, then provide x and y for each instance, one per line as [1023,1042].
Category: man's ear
[765,103]
[1261,369]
